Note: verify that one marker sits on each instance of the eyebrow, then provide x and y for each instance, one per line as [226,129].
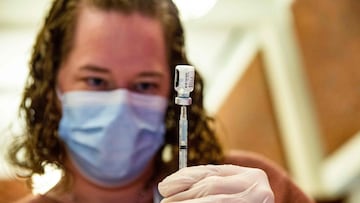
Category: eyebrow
[151,74]
[94,68]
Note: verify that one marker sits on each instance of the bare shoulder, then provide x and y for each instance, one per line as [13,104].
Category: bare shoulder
[255,160]
[35,199]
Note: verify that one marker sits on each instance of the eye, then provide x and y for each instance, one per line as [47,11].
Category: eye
[96,83]
[145,87]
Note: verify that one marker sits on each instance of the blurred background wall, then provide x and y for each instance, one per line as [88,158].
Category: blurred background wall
[328,36]
[282,78]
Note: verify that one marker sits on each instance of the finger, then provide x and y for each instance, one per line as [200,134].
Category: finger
[223,198]
[210,199]
[186,177]
[254,181]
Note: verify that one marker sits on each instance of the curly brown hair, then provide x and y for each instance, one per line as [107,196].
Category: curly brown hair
[40,145]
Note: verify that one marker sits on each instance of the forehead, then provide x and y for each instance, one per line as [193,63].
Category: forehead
[90,17]
[119,35]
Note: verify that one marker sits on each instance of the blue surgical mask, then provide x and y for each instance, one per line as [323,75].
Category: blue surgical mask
[112,136]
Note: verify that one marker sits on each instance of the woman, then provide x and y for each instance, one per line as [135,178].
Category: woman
[98,104]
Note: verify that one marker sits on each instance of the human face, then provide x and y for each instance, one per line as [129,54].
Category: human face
[113,50]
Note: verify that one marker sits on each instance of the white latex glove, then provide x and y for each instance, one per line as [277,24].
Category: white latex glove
[217,183]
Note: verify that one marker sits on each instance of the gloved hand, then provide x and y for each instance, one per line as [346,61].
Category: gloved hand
[217,183]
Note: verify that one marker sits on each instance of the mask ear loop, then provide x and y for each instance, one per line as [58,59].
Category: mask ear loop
[59,93]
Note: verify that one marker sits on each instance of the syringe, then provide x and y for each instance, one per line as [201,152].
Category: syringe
[184,84]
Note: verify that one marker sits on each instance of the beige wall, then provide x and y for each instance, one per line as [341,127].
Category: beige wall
[329,38]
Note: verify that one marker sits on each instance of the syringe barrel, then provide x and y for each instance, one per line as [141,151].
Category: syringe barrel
[183,138]
[183,84]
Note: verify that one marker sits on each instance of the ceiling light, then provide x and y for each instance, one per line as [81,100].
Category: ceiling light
[190,9]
